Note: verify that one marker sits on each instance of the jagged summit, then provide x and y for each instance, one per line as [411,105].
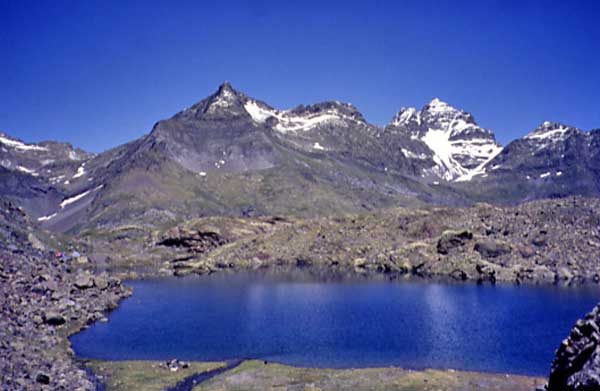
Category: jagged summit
[226,102]
[551,131]
[460,147]
[437,105]
[231,153]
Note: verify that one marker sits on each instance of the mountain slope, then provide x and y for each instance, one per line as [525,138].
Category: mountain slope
[458,147]
[231,154]
[553,160]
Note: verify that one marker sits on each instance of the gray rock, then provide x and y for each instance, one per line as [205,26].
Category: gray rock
[451,240]
[84,281]
[101,282]
[492,248]
[576,366]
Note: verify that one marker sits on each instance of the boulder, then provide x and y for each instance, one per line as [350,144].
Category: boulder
[540,239]
[451,240]
[526,251]
[82,260]
[492,248]
[54,318]
[576,366]
[360,262]
[42,378]
[84,281]
[101,281]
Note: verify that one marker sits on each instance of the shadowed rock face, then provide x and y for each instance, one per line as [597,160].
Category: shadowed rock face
[577,363]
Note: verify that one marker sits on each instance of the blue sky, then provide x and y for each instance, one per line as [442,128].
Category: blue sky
[101,73]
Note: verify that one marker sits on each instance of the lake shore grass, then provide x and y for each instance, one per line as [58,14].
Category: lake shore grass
[143,375]
[256,375]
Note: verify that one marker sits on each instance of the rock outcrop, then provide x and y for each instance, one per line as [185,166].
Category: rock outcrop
[43,299]
[577,363]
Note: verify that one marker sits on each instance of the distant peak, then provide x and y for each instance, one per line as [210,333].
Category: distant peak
[550,130]
[437,105]
[406,115]
[550,125]
[225,87]
[437,102]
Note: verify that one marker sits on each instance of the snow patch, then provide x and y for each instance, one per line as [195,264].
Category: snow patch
[412,155]
[405,115]
[436,106]
[291,122]
[20,145]
[46,218]
[27,171]
[76,198]
[80,171]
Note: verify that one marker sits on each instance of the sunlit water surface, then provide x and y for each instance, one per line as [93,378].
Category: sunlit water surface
[502,328]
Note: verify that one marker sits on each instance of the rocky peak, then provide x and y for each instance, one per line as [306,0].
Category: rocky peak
[550,132]
[336,108]
[407,116]
[9,142]
[303,118]
[439,113]
[460,147]
[225,103]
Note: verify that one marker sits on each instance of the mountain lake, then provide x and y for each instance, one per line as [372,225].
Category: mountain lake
[343,323]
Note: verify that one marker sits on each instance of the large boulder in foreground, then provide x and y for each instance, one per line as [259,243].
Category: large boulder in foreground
[576,366]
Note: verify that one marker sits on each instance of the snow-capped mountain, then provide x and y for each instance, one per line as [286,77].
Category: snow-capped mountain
[553,160]
[459,147]
[38,175]
[47,159]
[234,154]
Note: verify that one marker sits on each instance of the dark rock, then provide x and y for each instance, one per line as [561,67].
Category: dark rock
[459,275]
[451,240]
[540,239]
[54,319]
[42,378]
[492,248]
[303,262]
[576,366]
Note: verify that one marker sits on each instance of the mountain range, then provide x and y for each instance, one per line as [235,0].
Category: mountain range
[231,154]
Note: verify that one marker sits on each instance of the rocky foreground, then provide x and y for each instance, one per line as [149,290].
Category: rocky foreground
[43,299]
[577,363]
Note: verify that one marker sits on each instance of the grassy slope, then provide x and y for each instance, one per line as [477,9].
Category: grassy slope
[144,375]
[254,375]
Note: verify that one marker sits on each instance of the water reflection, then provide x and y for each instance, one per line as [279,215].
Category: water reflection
[341,323]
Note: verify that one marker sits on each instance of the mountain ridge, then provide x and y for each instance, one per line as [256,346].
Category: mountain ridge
[233,154]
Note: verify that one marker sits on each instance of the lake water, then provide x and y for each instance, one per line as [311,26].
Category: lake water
[502,328]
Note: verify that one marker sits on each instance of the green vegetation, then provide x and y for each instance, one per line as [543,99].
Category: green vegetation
[255,375]
[144,375]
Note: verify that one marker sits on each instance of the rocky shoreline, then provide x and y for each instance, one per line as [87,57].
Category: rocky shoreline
[44,299]
[547,242]
[43,302]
